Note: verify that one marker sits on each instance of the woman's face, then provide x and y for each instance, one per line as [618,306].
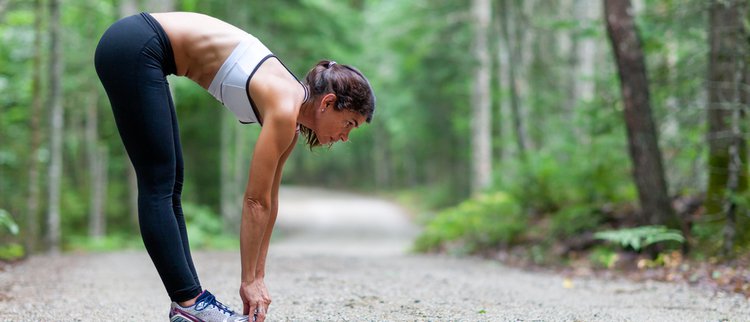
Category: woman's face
[333,125]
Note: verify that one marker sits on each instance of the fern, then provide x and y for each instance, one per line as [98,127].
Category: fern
[640,237]
[7,221]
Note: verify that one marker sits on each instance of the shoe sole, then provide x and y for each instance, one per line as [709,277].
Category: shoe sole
[180,318]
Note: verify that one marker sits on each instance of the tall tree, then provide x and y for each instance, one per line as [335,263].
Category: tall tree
[509,29]
[481,101]
[32,201]
[501,63]
[648,171]
[585,51]
[127,8]
[727,99]
[97,161]
[56,127]
[3,5]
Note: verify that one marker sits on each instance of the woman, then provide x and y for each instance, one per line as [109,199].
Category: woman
[133,58]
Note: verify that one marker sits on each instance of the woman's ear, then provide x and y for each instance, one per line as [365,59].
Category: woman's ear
[329,100]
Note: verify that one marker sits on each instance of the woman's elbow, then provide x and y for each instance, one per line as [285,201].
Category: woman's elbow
[256,208]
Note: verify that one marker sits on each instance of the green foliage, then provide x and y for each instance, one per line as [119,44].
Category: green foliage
[111,242]
[575,219]
[640,237]
[708,230]
[6,222]
[11,252]
[206,229]
[485,221]
[603,257]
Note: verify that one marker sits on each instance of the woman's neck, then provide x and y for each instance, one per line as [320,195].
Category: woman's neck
[306,111]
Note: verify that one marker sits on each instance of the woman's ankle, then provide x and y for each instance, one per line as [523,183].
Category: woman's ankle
[189,302]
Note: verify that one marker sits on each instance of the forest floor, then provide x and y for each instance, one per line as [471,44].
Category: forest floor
[344,257]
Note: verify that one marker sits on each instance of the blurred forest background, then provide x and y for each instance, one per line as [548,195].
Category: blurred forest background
[536,124]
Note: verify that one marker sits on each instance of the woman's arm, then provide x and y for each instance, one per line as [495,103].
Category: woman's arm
[260,270]
[275,140]
[274,144]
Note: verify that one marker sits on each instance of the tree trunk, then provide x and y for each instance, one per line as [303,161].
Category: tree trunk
[568,47]
[380,154]
[161,5]
[513,59]
[481,101]
[585,71]
[228,203]
[3,6]
[56,126]
[648,172]
[225,163]
[501,62]
[727,94]
[97,170]
[32,202]
[132,196]
[127,8]
[238,178]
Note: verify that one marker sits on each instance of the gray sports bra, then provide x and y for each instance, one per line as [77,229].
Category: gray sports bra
[229,86]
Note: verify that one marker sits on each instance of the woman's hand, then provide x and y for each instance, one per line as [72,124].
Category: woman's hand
[255,299]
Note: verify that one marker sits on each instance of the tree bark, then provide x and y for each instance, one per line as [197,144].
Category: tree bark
[382,166]
[568,47]
[481,101]
[228,181]
[501,63]
[127,8]
[585,51]
[97,170]
[727,99]
[3,6]
[32,202]
[513,53]
[56,126]
[132,196]
[648,171]
[161,5]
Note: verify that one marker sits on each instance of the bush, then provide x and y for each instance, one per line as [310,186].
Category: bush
[12,251]
[111,242]
[6,221]
[9,250]
[486,221]
[575,219]
[603,257]
[206,228]
[559,177]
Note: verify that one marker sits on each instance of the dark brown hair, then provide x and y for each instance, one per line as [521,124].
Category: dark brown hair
[352,89]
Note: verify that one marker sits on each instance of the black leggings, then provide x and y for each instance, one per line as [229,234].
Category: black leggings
[133,58]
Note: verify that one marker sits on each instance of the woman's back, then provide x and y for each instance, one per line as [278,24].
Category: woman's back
[200,43]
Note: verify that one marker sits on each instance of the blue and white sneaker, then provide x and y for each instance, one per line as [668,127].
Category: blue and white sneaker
[205,309]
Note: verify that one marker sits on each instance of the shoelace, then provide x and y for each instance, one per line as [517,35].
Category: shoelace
[210,299]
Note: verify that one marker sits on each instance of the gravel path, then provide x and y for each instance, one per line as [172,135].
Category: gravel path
[342,257]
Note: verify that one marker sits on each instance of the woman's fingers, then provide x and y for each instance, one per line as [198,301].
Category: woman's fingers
[260,313]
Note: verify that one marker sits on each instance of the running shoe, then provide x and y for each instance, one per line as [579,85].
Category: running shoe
[205,309]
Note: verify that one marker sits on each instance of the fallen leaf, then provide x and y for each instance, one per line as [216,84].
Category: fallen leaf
[567,283]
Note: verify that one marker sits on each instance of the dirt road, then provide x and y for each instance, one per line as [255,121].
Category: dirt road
[342,257]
